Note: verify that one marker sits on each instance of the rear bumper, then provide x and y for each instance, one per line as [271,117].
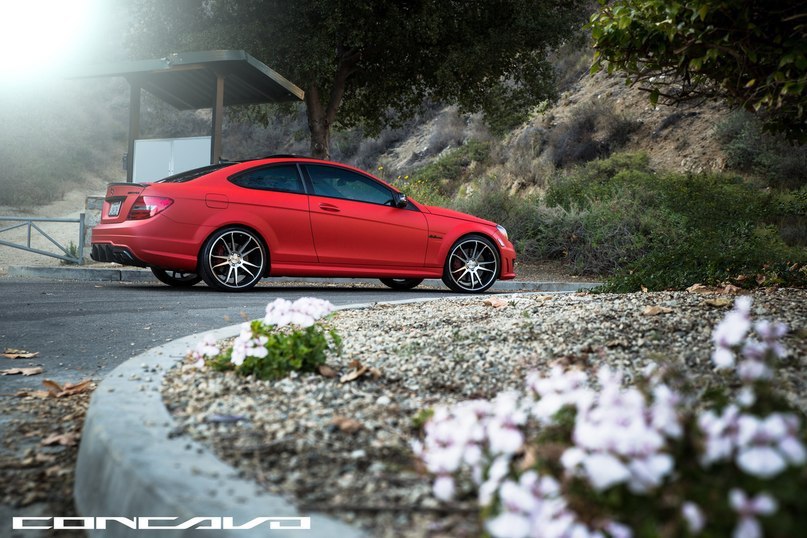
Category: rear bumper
[104,252]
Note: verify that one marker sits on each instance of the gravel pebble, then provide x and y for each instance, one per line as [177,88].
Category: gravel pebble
[343,448]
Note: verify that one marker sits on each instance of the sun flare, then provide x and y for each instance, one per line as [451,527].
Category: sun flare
[39,36]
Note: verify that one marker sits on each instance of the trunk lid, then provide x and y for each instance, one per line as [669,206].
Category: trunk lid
[119,199]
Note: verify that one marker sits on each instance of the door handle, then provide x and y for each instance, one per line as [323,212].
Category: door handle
[329,207]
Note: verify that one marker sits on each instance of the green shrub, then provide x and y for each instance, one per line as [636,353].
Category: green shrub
[447,172]
[592,131]
[620,219]
[749,149]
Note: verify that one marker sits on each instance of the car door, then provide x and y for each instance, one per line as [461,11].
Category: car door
[274,197]
[354,222]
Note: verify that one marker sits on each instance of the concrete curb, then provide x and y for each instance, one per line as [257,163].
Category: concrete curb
[132,464]
[97,274]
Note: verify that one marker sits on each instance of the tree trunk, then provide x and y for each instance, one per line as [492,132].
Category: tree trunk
[321,116]
[318,124]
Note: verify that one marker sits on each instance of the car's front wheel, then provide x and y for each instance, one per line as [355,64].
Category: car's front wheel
[472,265]
[233,259]
[179,279]
[401,284]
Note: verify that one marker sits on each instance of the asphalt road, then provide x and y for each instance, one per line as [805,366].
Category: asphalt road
[84,329]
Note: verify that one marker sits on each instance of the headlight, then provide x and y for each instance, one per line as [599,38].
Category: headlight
[502,231]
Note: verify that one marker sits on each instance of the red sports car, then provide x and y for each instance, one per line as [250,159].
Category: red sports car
[233,223]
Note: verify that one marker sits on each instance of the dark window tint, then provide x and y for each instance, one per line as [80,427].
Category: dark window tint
[282,177]
[339,183]
[190,175]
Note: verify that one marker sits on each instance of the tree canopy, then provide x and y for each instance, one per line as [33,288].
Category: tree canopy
[751,52]
[372,62]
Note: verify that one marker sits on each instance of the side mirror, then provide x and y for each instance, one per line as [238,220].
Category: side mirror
[399,200]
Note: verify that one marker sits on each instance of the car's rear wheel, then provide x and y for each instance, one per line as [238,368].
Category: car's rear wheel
[233,259]
[401,283]
[472,265]
[180,279]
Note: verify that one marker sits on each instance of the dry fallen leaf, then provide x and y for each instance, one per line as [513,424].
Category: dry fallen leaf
[655,310]
[69,389]
[717,302]
[64,439]
[699,288]
[326,371]
[41,394]
[354,374]
[644,289]
[375,373]
[732,289]
[56,390]
[11,353]
[495,302]
[345,424]
[24,371]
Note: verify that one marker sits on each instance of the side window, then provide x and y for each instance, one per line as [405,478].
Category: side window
[281,177]
[338,183]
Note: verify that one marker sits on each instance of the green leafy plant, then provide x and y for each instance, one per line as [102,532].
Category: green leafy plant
[289,339]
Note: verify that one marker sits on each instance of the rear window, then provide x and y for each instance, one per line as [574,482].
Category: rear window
[190,175]
[279,177]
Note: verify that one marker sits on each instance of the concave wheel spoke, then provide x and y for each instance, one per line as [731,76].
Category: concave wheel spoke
[245,254]
[222,264]
[248,271]
[484,269]
[241,249]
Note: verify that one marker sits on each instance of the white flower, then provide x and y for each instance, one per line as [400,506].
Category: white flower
[747,508]
[444,487]
[694,517]
[618,530]
[761,461]
[604,471]
[731,331]
[648,473]
[509,525]
[723,358]
[793,450]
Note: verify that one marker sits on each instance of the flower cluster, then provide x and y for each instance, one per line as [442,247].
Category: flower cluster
[287,339]
[207,349]
[634,441]
[303,312]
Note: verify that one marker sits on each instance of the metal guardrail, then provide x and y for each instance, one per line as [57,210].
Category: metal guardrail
[69,255]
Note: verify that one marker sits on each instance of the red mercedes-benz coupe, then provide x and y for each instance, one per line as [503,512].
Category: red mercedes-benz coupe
[234,223]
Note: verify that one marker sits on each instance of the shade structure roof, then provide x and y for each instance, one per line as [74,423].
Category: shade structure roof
[187,80]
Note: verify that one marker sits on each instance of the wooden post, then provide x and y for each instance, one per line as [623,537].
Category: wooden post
[134,126]
[218,117]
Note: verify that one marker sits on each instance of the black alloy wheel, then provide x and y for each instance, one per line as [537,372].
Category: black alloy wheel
[401,284]
[179,279]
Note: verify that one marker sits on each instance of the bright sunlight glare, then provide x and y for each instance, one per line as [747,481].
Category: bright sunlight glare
[37,37]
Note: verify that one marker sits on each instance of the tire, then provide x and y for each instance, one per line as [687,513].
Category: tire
[233,259]
[178,279]
[472,265]
[401,284]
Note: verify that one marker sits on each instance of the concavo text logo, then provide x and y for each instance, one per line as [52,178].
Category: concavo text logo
[159,523]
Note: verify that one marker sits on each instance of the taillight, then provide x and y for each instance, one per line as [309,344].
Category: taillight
[146,207]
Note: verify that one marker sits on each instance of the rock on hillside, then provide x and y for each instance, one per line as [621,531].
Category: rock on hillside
[596,116]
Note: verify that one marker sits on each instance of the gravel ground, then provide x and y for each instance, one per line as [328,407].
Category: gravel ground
[343,448]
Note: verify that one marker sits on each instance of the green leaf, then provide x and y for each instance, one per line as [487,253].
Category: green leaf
[654,95]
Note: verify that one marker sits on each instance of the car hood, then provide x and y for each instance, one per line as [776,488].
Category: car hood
[443,212]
